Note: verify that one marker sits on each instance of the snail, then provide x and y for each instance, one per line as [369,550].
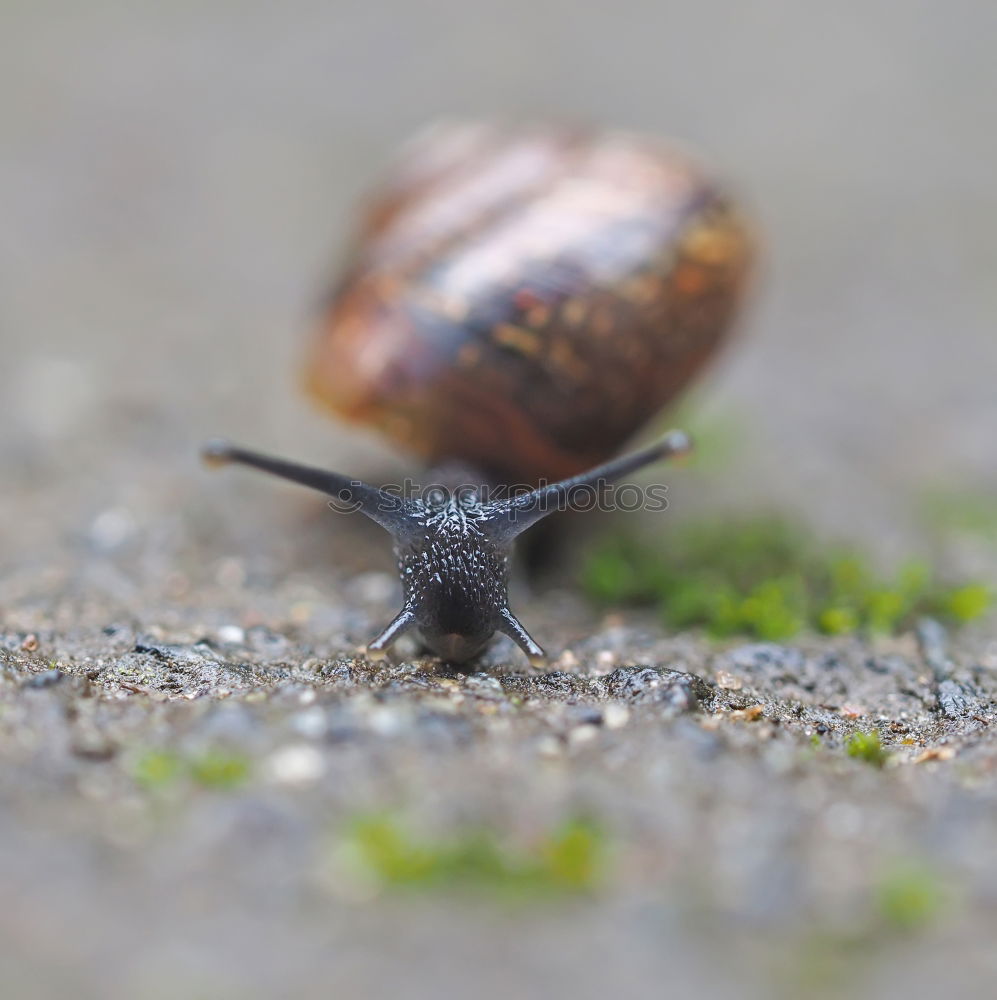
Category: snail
[520,301]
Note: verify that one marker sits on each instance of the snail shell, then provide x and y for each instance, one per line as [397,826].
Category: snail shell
[526,298]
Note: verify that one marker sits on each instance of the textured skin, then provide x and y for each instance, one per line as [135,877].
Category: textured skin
[454,577]
[525,299]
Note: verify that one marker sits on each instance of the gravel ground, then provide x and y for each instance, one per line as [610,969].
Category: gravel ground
[187,732]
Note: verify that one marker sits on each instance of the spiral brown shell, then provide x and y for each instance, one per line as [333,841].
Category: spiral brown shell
[526,298]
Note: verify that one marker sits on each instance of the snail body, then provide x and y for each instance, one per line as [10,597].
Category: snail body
[452,547]
[521,301]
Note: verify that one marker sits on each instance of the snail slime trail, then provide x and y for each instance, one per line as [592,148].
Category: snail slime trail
[521,300]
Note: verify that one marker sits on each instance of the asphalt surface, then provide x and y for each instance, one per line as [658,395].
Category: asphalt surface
[176,185]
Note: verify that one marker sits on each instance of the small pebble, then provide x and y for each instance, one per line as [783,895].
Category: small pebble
[567,661]
[935,753]
[232,634]
[299,764]
[311,724]
[605,660]
[265,640]
[581,735]
[615,716]
[30,643]
[728,681]
[485,686]
[111,528]
[384,721]
[749,714]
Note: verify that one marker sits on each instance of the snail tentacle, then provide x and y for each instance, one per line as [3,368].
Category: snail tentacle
[377,649]
[379,505]
[511,626]
[510,518]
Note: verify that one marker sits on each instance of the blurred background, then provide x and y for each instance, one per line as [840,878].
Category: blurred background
[177,184]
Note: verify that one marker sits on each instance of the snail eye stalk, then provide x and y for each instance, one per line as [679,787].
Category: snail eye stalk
[510,518]
[379,505]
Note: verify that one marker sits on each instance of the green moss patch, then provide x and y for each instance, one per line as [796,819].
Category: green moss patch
[155,770]
[962,512]
[569,859]
[909,897]
[769,578]
[867,747]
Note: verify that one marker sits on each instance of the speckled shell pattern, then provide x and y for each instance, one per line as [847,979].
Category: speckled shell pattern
[525,299]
